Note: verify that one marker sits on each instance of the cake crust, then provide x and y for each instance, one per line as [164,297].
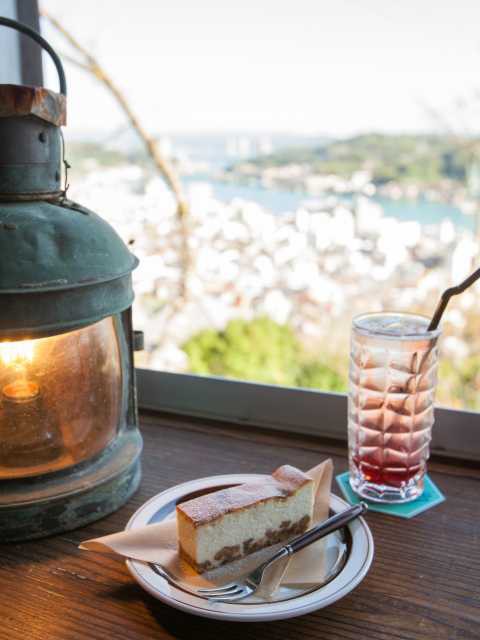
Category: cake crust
[284,482]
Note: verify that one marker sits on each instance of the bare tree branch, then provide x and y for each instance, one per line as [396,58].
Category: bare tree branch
[74,61]
[163,166]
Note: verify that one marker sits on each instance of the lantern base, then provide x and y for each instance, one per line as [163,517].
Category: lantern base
[45,505]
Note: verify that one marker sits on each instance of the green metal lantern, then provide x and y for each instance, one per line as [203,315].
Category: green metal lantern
[69,439]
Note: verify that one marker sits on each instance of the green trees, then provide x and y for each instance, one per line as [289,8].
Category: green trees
[422,158]
[259,350]
[318,375]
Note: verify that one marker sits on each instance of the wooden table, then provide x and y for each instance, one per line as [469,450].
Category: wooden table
[424,582]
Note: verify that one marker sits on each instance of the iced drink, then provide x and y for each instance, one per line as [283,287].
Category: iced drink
[393,375]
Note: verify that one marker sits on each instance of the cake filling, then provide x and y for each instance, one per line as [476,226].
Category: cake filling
[236,552]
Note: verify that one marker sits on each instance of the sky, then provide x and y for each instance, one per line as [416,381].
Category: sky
[328,67]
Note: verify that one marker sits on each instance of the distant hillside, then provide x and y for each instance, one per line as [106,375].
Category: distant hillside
[421,158]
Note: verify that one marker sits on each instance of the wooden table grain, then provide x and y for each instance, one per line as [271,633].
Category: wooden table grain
[424,582]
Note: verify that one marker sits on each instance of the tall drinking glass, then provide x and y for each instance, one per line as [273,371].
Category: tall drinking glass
[393,375]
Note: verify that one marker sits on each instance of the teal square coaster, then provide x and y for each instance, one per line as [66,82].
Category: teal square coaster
[430,497]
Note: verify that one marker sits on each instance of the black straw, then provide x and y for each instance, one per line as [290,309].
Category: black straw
[446,295]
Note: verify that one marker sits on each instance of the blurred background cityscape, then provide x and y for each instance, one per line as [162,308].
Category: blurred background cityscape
[328,169]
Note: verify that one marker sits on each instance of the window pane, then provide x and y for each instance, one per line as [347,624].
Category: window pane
[330,159]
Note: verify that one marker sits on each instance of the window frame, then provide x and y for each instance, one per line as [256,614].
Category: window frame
[455,434]
[28,58]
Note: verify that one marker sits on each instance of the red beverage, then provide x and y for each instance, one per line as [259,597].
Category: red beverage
[395,477]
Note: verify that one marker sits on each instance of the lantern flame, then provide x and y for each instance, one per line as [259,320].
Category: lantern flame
[17,353]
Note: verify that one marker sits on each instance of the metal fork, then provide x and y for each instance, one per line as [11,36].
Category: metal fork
[238,590]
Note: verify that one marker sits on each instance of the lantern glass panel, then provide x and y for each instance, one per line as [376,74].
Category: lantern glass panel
[60,399]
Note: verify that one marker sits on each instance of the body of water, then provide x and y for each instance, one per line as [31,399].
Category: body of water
[281,200]
[425,211]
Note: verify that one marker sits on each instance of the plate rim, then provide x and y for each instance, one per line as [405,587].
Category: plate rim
[237,612]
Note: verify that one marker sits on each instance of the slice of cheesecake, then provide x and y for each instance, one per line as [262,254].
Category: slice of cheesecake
[231,523]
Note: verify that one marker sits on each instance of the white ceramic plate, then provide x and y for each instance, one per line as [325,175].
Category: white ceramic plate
[289,602]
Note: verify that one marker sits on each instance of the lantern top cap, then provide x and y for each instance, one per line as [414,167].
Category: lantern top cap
[48,246]
[61,267]
[19,100]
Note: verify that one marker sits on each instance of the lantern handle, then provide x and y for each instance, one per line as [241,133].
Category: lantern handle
[34,35]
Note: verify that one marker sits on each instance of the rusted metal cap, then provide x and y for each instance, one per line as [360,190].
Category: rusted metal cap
[19,100]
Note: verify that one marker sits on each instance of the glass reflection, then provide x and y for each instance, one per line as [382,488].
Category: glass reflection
[60,399]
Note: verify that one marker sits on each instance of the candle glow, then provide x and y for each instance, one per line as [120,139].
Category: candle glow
[17,353]
[17,356]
